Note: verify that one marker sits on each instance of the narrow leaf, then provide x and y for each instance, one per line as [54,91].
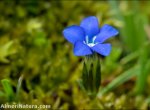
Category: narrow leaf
[98,75]
[120,80]
[85,76]
[8,89]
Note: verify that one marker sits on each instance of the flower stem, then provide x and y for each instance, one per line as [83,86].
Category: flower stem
[91,74]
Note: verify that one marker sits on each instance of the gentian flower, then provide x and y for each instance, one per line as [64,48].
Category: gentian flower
[89,38]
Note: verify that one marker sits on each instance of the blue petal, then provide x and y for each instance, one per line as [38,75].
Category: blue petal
[103,49]
[74,33]
[81,49]
[90,25]
[106,32]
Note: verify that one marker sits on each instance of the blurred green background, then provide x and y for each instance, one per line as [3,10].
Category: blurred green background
[37,65]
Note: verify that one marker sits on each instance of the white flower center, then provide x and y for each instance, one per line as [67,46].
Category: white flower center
[90,44]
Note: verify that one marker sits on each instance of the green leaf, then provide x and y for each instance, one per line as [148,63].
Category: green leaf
[91,78]
[120,80]
[144,61]
[5,51]
[8,89]
[130,57]
[85,76]
[98,75]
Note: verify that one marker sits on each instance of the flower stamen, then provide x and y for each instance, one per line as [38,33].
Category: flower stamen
[90,44]
[87,39]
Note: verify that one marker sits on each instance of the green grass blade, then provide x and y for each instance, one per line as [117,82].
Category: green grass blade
[8,89]
[142,82]
[120,80]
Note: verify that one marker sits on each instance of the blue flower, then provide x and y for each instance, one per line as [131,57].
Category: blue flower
[89,38]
